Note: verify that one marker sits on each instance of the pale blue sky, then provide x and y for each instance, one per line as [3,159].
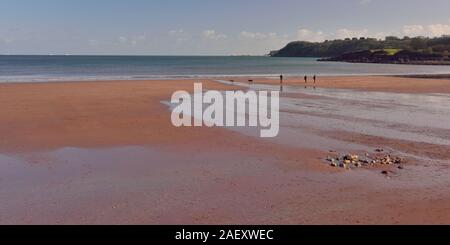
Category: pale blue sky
[205,27]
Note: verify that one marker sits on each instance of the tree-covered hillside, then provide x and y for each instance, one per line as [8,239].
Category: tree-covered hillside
[438,46]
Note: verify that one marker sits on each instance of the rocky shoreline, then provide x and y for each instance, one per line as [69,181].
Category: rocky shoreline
[426,76]
[403,57]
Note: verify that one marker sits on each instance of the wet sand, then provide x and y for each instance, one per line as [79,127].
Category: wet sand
[397,84]
[106,153]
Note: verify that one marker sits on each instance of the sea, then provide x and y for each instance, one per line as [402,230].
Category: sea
[23,68]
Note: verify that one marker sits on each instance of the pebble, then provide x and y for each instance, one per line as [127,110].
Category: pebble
[330,159]
[398,160]
[351,157]
[350,161]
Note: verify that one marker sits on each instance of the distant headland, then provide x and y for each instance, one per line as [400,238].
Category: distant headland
[391,50]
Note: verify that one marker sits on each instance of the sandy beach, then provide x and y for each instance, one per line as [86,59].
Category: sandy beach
[107,153]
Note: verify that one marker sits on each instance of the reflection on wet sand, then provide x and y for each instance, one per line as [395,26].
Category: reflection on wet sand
[312,112]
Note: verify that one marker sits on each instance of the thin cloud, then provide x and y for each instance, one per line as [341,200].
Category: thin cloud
[347,33]
[133,40]
[312,36]
[179,35]
[433,30]
[257,35]
[213,35]
[319,36]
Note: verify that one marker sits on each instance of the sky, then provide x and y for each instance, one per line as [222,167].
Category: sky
[206,27]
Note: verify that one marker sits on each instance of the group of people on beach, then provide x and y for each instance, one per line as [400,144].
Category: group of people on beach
[306,78]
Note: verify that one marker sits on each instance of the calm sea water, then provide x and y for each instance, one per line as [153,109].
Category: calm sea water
[73,68]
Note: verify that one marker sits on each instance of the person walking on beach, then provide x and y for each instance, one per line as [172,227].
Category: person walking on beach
[314,79]
[281,78]
[306,79]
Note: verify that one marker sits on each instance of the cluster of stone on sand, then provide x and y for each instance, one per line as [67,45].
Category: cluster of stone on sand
[352,161]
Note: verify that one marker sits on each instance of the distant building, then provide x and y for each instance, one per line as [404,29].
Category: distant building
[392,38]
